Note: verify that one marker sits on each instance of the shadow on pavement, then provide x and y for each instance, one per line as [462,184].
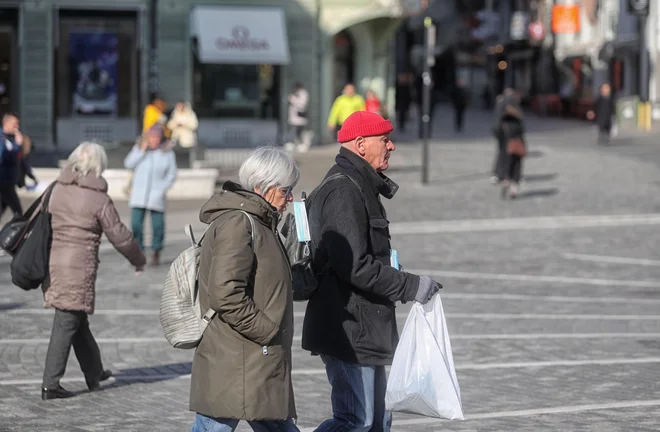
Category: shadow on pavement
[538,193]
[540,177]
[146,375]
[10,306]
[462,178]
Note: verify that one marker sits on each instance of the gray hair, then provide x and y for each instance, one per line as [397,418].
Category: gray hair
[88,157]
[268,167]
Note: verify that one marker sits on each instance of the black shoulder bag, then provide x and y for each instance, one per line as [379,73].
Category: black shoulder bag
[13,233]
[29,268]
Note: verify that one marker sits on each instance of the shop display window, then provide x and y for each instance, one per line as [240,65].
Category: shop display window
[96,64]
[236,90]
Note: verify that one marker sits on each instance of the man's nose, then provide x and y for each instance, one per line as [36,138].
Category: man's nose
[390,146]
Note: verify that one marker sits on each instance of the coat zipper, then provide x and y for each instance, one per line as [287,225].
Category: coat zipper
[149,179]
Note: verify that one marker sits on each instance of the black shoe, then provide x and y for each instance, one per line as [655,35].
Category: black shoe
[94,385]
[55,393]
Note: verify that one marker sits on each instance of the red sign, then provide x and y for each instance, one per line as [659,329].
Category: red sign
[566,19]
[241,41]
[536,30]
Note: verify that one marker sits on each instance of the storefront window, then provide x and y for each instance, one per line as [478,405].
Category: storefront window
[96,69]
[236,90]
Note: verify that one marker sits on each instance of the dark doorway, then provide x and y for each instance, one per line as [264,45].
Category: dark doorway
[344,61]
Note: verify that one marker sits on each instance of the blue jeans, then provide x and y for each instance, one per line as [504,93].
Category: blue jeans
[208,424]
[358,398]
[157,225]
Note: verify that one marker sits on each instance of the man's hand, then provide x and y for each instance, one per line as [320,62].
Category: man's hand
[139,270]
[591,115]
[427,289]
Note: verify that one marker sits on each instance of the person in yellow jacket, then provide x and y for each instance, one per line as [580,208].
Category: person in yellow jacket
[154,113]
[345,105]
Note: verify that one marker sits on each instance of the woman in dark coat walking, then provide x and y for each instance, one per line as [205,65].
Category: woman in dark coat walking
[512,130]
[604,113]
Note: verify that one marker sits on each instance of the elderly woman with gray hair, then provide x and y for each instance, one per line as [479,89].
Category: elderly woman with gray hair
[81,211]
[242,367]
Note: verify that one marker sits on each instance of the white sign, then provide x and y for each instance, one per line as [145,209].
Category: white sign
[240,35]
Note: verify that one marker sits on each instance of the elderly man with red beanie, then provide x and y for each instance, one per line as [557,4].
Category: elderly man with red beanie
[350,320]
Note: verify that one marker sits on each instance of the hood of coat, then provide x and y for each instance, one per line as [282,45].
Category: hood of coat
[70,177]
[234,197]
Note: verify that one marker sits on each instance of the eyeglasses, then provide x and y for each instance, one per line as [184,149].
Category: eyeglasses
[287,191]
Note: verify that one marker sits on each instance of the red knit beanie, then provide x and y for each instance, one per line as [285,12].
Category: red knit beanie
[364,124]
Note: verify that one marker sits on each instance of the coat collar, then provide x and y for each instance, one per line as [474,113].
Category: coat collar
[70,177]
[378,182]
[233,197]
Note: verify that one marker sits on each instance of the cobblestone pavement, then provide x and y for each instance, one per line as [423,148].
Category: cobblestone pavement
[552,302]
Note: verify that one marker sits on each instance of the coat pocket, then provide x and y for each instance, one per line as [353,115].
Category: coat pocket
[380,237]
[375,327]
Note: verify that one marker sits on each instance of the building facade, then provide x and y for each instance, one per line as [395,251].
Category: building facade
[83,69]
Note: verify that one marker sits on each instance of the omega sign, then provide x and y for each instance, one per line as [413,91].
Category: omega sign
[241,41]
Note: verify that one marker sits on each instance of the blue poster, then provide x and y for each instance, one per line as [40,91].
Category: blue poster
[93,61]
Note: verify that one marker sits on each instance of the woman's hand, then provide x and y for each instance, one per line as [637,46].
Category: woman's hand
[591,115]
[139,270]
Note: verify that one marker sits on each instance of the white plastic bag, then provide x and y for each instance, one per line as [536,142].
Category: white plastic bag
[422,379]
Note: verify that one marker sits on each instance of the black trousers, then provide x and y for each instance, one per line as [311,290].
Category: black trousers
[9,198]
[501,159]
[71,328]
[458,119]
[295,133]
[604,135]
[514,168]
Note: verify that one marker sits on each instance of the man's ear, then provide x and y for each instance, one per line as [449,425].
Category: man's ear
[361,146]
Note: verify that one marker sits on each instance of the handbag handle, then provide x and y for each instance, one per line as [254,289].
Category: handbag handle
[32,212]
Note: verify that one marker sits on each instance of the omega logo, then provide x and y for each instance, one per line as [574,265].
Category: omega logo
[241,41]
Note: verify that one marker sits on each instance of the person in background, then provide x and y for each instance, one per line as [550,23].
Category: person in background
[81,211]
[242,367]
[154,172]
[183,124]
[512,128]
[351,319]
[459,101]
[154,114]
[24,168]
[403,99]
[11,140]
[345,105]
[604,113]
[297,119]
[372,103]
[508,97]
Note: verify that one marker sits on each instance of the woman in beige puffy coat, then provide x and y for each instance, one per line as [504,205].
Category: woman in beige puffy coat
[183,124]
[81,211]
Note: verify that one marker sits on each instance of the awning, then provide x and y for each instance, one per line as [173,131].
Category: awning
[240,35]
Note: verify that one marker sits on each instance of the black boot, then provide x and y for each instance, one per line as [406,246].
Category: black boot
[55,393]
[94,385]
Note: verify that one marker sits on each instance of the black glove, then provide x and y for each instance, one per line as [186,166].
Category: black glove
[427,288]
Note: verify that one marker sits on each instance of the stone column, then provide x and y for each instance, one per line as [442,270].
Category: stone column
[36,72]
